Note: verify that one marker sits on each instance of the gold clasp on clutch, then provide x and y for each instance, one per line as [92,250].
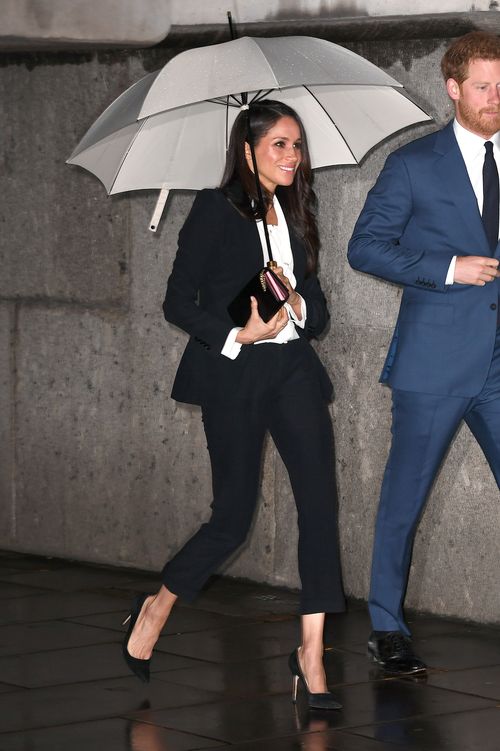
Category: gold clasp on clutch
[262,279]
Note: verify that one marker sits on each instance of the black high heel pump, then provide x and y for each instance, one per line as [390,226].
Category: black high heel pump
[315,701]
[140,668]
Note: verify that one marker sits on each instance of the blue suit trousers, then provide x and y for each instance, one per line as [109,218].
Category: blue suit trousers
[423,426]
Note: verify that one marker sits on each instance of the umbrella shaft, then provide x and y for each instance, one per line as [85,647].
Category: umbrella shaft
[262,207]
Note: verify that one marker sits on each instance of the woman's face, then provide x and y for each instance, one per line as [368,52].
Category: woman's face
[278,154]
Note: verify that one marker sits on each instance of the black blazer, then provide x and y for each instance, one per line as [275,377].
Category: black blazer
[219,251]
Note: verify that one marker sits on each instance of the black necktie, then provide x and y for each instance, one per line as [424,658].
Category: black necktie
[491,197]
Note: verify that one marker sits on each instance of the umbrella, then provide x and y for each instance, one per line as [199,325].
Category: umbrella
[171,128]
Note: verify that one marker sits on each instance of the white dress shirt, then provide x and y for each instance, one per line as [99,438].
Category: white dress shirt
[472,149]
[281,248]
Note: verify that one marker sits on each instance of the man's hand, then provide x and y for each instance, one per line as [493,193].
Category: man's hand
[476,270]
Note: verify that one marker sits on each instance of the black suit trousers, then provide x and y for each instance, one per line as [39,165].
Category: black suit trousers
[279,392]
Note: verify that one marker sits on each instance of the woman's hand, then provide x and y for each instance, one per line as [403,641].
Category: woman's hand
[294,299]
[256,329]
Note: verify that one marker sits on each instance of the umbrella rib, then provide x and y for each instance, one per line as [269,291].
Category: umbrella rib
[266,61]
[260,95]
[143,123]
[225,101]
[333,121]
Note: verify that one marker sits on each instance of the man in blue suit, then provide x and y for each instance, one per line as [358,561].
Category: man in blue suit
[431,224]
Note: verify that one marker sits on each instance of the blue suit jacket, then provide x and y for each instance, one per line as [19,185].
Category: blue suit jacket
[420,213]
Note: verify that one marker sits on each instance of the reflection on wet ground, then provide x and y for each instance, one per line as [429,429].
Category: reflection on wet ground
[220,676]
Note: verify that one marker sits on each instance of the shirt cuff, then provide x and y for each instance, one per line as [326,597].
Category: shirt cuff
[451,271]
[301,322]
[231,347]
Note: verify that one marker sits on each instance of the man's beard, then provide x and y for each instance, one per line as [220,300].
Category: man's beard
[477,121]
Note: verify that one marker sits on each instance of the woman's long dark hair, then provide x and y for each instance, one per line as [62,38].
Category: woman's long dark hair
[299,198]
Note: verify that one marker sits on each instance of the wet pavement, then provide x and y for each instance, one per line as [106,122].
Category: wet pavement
[220,676]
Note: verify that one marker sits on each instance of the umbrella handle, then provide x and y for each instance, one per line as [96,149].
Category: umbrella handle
[160,205]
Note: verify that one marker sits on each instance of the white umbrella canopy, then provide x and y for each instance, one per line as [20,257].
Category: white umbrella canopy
[105,146]
[186,147]
[257,63]
[347,108]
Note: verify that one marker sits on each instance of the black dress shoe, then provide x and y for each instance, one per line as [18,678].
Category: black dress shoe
[394,653]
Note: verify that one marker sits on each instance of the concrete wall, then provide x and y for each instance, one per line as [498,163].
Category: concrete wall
[35,24]
[247,11]
[96,462]
[52,24]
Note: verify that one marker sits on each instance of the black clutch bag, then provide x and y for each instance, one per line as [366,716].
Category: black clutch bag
[269,291]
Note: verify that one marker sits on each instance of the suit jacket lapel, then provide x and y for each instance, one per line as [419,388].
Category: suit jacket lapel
[296,244]
[299,256]
[453,173]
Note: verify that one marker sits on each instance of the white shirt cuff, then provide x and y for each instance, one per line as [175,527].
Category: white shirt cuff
[301,322]
[451,271]
[231,347]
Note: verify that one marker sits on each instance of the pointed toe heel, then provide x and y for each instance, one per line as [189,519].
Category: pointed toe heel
[139,668]
[315,701]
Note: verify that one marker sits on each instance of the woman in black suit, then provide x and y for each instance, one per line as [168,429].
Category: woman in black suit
[250,379]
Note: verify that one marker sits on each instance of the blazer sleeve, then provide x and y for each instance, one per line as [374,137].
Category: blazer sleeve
[375,246]
[317,311]
[199,240]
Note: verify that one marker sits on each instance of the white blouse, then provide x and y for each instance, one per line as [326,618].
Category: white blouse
[281,248]
[472,149]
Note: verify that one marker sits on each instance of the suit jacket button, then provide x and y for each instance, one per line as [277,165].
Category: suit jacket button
[493,306]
